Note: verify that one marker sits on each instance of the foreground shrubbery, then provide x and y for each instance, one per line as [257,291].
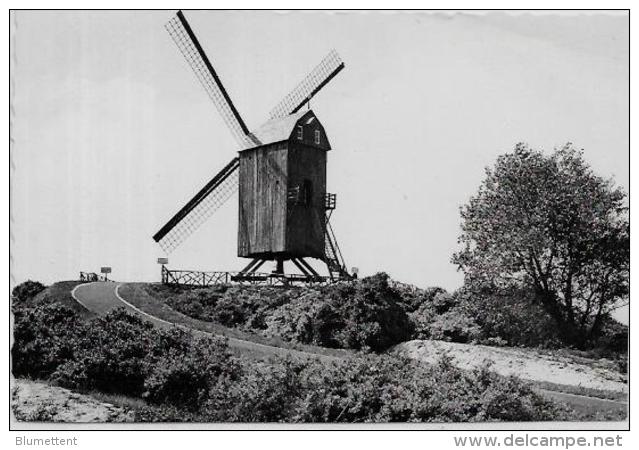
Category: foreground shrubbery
[43,336]
[187,378]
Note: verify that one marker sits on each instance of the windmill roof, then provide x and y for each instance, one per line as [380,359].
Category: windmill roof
[278,129]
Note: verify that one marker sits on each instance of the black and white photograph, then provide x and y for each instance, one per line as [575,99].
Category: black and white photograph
[319,219]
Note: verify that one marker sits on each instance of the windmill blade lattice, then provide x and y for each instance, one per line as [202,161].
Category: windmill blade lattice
[181,33]
[202,206]
[309,86]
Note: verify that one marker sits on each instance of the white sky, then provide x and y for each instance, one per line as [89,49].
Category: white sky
[113,133]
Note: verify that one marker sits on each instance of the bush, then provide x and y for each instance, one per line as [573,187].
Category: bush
[508,316]
[365,314]
[267,392]
[110,355]
[184,377]
[374,317]
[230,311]
[165,413]
[43,337]
[197,303]
[391,389]
[512,315]
[443,318]
[413,298]
[454,326]
[613,341]
[361,390]
[362,315]
[23,293]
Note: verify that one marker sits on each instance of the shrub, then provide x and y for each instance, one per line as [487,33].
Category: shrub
[507,316]
[173,339]
[110,356]
[23,293]
[392,389]
[511,315]
[442,318]
[374,317]
[164,413]
[197,303]
[231,311]
[359,390]
[266,393]
[184,377]
[43,337]
[365,314]
[454,326]
[413,298]
[613,340]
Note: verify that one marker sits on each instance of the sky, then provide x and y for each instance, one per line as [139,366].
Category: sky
[112,133]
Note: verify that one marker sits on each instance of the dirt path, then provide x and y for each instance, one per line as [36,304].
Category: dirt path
[38,402]
[527,364]
[102,297]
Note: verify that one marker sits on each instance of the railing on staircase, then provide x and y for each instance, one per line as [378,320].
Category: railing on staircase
[334,259]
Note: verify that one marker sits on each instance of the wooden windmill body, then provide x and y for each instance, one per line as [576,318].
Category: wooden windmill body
[280,171]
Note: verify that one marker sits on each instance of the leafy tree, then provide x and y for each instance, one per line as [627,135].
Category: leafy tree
[548,222]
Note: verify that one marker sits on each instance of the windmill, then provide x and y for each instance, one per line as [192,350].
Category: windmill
[280,170]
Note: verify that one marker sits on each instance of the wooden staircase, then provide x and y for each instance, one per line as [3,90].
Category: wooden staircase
[333,256]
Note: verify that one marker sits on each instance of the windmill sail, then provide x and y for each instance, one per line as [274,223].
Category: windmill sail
[183,36]
[188,219]
[309,86]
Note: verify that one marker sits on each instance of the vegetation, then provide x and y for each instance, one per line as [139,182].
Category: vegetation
[43,336]
[181,377]
[549,224]
[32,293]
[507,316]
[368,314]
[25,292]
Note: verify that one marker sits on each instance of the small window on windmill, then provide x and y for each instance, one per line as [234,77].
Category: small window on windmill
[293,195]
[307,193]
[318,137]
[300,132]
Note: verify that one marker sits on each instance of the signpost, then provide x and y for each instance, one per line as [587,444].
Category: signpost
[105,271]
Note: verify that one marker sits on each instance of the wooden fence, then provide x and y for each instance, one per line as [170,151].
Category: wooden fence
[204,279]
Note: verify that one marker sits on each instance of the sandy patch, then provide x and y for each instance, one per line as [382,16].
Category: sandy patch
[38,402]
[527,364]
